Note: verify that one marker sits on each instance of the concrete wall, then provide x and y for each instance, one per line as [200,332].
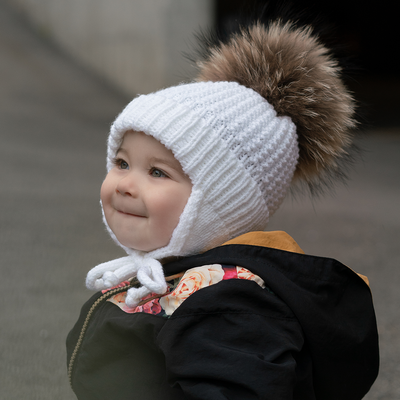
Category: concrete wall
[135,44]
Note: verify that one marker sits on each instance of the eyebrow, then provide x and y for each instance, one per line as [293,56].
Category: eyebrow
[173,164]
[121,149]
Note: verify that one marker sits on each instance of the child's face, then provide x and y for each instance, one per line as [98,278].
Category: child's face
[145,193]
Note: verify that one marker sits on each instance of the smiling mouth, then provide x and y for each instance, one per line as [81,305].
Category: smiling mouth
[131,215]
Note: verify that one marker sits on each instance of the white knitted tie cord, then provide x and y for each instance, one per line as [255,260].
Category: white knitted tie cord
[148,271]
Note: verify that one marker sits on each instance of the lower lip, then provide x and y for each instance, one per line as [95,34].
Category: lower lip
[131,215]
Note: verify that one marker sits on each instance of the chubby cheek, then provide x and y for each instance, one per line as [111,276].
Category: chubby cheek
[106,192]
[167,210]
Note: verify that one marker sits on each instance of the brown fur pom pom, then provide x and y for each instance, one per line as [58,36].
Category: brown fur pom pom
[296,74]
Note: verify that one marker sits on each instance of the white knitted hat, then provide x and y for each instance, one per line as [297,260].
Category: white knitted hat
[240,156]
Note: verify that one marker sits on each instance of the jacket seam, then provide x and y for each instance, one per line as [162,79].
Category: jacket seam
[230,312]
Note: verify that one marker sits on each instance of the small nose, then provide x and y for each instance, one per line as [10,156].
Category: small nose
[127,186]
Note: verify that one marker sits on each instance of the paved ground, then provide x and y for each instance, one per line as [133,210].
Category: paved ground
[54,119]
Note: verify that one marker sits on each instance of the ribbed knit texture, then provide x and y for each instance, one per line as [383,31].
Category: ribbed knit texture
[238,154]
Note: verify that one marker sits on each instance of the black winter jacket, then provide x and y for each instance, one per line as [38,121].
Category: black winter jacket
[310,335]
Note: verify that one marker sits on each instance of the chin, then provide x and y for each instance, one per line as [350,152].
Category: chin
[139,246]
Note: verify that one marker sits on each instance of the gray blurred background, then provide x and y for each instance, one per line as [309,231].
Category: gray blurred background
[67,67]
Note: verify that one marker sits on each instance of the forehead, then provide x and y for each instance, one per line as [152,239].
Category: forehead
[132,140]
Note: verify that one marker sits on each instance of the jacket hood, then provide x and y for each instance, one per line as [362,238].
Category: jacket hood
[332,303]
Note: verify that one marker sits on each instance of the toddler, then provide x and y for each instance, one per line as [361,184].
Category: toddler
[206,305]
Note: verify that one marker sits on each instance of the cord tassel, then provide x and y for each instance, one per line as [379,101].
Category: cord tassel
[148,271]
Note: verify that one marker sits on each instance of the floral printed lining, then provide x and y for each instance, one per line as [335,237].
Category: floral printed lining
[193,280]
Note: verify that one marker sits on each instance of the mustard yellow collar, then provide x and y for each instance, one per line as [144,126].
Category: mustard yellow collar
[276,240]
